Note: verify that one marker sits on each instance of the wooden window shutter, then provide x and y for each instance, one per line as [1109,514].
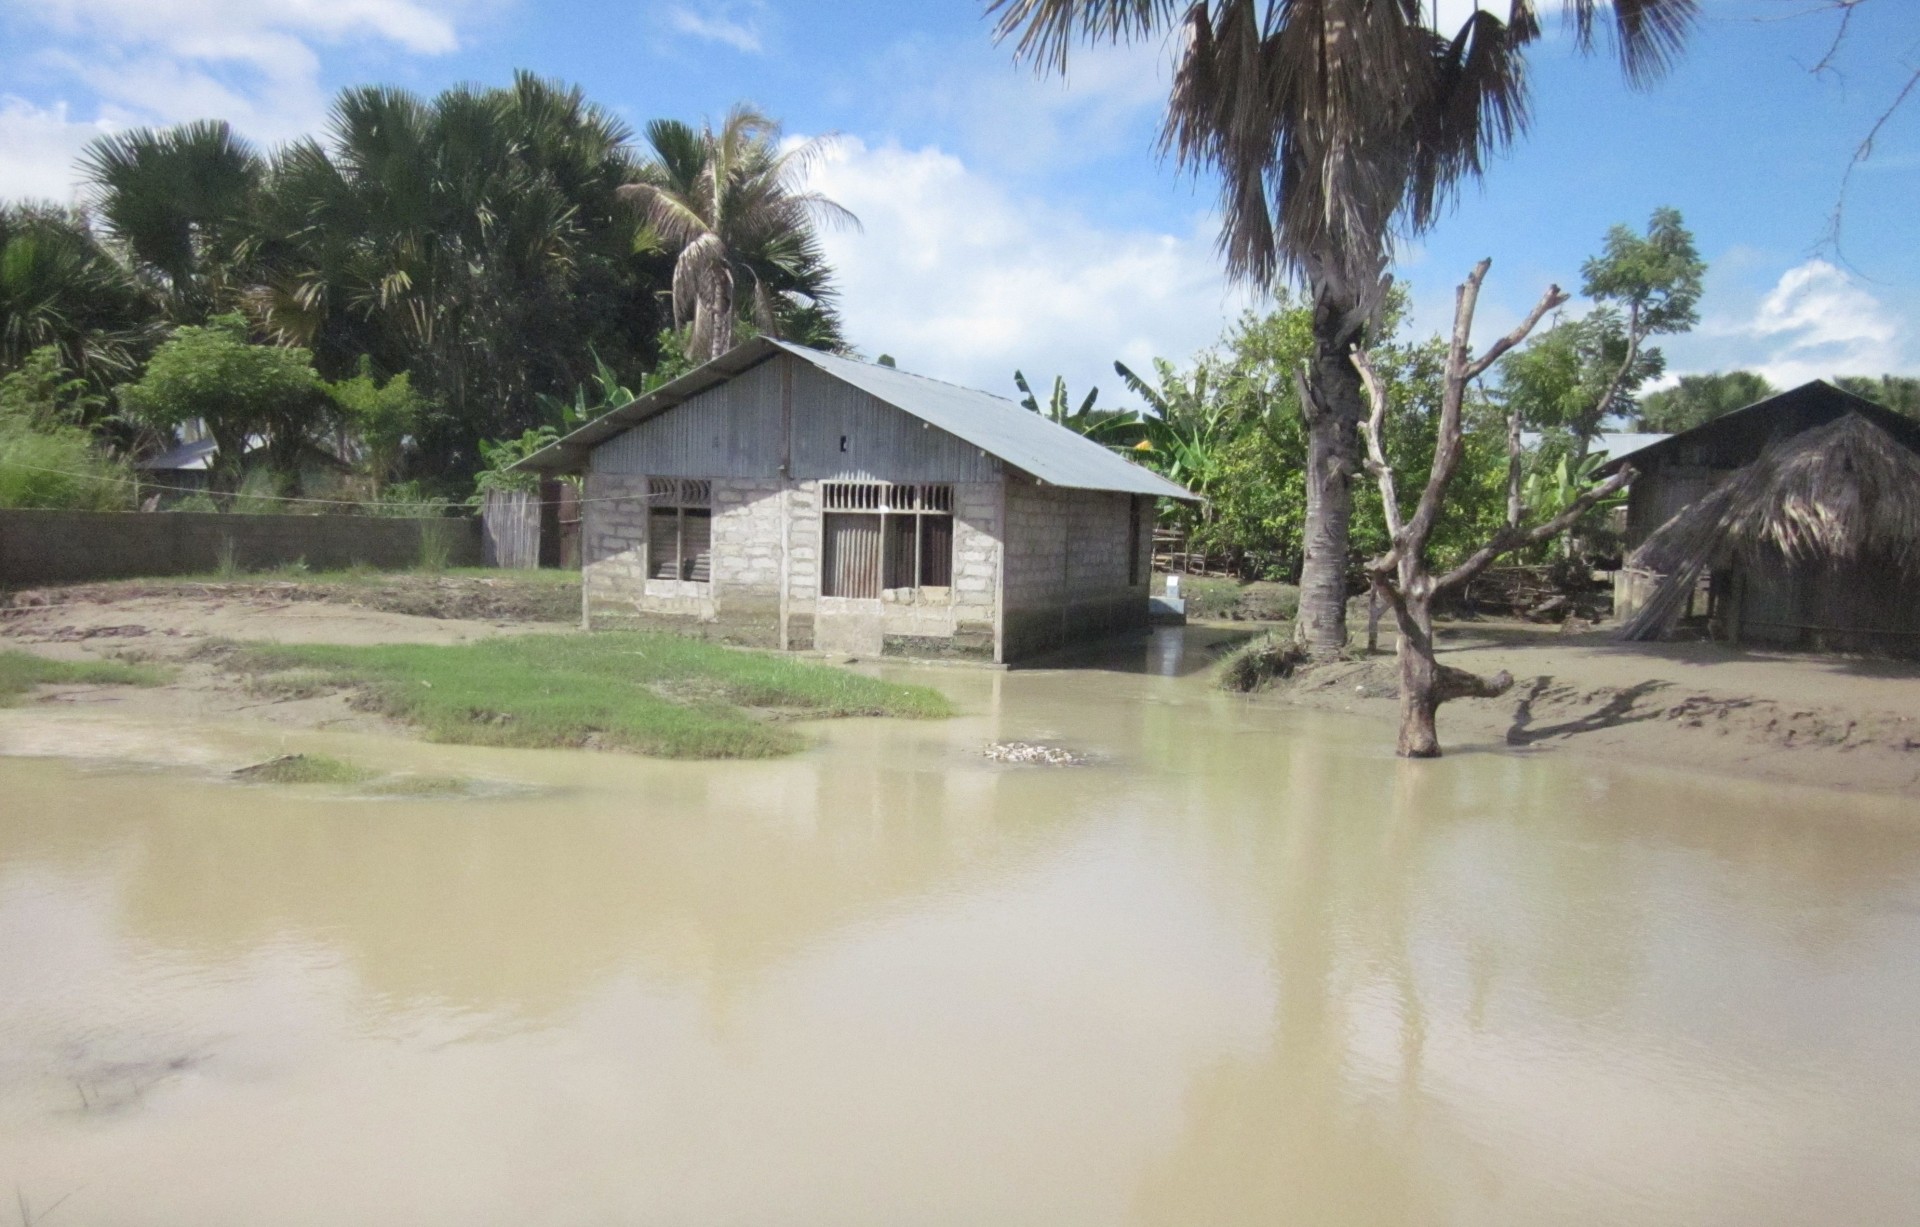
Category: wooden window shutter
[696,545]
[663,543]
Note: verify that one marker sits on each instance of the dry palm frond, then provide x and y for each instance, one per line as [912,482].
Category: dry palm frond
[1839,493]
[1337,126]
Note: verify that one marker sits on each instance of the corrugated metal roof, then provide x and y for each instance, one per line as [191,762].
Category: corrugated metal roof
[994,424]
[188,457]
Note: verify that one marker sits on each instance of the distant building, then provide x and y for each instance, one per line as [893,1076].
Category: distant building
[1793,522]
[783,497]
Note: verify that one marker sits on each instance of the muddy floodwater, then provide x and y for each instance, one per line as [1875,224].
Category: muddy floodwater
[1242,967]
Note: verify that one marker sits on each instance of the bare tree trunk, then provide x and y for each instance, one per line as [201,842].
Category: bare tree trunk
[1402,577]
[1419,681]
[1425,683]
[1334,405]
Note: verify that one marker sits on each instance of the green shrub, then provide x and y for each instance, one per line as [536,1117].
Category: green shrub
[59,467]
[1256,663]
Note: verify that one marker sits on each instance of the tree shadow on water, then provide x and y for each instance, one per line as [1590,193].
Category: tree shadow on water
[1617,710]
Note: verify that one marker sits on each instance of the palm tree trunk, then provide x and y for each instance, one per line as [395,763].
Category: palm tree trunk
[716,300]
[1335,405]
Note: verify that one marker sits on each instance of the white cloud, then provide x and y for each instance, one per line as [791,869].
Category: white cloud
[1816,321]
[736,25]
[254,63]
[38,146]
[961,279]
[1109,101]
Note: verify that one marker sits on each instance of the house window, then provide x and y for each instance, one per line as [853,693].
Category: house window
[679,529]
[880,537]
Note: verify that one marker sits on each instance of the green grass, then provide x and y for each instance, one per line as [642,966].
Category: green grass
[20,672]
[653,693]
[304,769]
[424,787]
[1231,599]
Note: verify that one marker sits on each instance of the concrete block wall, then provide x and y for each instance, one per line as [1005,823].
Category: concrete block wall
[961,623]
[613,544]
[1067,566]
[55,547]
[747,544]
[741,600]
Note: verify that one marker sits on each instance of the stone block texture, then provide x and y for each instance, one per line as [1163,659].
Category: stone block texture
[1057,558]
[1069,575]
[52,547]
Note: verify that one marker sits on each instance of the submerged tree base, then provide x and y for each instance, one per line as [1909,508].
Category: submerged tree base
[650,693]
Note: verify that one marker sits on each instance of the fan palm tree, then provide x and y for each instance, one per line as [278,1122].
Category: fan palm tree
[178,200]
[59,287]
[475,240]
[736,211]
[1335,126]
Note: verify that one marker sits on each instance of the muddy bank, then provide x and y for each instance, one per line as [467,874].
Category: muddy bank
[1824,721]
[501,597]
[173,625]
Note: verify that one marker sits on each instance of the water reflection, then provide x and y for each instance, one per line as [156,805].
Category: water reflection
[1247,969]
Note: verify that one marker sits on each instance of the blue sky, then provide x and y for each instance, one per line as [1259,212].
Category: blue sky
[1016,221]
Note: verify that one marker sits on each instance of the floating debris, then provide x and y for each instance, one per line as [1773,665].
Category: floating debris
[1030,752]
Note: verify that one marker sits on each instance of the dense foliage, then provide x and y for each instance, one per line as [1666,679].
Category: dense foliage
[1229,427]
[423,278]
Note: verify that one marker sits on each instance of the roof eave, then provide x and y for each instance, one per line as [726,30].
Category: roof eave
[570,451]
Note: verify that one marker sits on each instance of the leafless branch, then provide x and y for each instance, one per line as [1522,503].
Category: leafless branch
[1550,301]
[1516,511]
[1512,538]
[1374,429]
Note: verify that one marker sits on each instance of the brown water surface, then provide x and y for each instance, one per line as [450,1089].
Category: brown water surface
[1244,968]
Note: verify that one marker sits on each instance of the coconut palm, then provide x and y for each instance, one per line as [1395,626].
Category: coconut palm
[178,199]
[736,211]
[1336,125]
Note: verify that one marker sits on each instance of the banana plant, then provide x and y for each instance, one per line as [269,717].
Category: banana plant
[608,393]
[1183,435]
[1119,429]
[1550,490]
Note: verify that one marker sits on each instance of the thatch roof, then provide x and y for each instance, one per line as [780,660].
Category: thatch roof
[1839,493]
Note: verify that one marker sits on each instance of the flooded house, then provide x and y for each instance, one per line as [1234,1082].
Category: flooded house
[782,497]
[1794,522]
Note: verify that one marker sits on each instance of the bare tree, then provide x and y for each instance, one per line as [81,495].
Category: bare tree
[1403,578]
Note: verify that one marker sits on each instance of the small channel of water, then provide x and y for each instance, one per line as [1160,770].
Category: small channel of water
[1244,968]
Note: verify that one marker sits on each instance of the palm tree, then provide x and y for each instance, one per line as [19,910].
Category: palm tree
[735,209]
[177,200]
[476,240]
[59,287]
[1336,125]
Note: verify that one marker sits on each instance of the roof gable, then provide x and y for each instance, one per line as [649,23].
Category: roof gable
[1788,413]
[994,424]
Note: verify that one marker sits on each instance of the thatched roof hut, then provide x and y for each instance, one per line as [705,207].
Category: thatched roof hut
[1815,543]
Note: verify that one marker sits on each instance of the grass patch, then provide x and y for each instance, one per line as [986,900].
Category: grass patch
[424,787]
[20,672]
[653,693]
[1255,664]
[1235,601]
[303,769]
